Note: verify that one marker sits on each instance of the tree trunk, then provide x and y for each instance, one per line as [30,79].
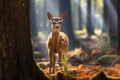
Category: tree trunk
[16,55]
[118,12]
[90,29]
[112,22]
[79,15]
[105,13]
[67,27]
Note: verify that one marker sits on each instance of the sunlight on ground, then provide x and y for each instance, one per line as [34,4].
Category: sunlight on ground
[80,32]
[83,33]
[98,31]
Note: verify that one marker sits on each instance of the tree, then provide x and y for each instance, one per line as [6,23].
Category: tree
[118,12]
[112,22]
[110,19]
[16,55]
[105,13]
[67,27]
[90,29]
[79,15]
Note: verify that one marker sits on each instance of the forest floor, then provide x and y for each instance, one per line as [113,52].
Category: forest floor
[87,72]
[84,63]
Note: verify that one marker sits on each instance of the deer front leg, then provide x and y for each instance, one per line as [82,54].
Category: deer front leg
[54,59]
[50,54]
[52,62]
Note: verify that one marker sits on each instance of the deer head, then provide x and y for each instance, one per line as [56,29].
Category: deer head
[56,22]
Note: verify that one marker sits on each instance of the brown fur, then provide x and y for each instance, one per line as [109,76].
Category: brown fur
[57,42]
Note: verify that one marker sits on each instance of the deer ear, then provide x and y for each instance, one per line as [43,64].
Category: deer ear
[49,16]
[63,15]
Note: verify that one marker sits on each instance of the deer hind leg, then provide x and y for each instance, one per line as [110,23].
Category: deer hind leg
[60,57]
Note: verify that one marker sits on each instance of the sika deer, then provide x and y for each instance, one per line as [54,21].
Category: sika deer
[57,41]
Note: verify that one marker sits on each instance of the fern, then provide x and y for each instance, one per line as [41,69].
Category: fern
[65,64]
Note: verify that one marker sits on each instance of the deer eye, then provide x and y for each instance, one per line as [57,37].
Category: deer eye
[53,22]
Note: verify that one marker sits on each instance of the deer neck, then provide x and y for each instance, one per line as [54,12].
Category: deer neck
[55,37]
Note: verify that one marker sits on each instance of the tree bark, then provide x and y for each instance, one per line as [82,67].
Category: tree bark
[16,55]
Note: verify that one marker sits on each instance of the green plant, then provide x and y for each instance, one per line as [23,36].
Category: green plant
[65,64]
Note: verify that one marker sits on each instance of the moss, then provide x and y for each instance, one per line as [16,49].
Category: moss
[107,60]
[63,76]
[52,77]
[35,73]
[102,76]
[25,76]
[40,75]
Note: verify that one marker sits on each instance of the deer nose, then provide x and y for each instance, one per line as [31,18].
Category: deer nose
[57,25]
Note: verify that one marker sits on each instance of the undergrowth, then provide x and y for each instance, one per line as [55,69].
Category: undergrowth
[103,44]
[65,64]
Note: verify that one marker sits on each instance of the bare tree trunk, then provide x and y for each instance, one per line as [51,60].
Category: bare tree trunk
[118,12]
[79,15]
[90,29]
[16,55]
[67,27]
[105,15]
[112,18]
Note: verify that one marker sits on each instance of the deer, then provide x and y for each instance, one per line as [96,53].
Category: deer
[57,42]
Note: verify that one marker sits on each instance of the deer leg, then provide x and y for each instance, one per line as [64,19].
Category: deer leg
[54,59]
[51,62]
[60,57]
